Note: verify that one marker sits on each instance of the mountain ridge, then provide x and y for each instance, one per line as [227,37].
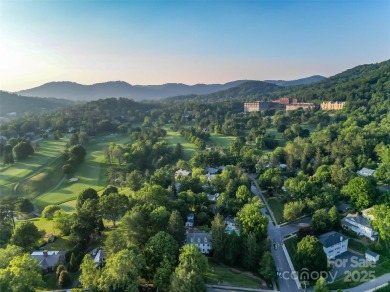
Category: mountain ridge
[75,91]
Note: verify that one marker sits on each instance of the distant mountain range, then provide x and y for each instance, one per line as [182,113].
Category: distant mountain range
[74,91]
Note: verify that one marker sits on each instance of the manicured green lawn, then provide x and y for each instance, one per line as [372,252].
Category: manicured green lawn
[278,136]
[49,150]
[42,224]
[223,275]
[220,139]
[173,138]
[277,209]
[68,206]
[92,173]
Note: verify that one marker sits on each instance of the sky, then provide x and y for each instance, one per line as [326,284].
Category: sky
[184,41]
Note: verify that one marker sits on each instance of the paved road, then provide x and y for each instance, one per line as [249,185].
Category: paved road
[276,234]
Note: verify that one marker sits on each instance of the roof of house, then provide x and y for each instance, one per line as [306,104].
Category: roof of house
[196,236]
[100,257]
[371,253]
[366,171]
[183,172]
[331,238]
[212,170]
[367,213]
[49,260]
[213,197]
[359,219]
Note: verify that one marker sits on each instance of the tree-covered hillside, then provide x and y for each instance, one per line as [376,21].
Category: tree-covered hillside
[11,102]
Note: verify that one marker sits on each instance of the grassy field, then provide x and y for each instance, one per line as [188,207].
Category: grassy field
[220,139]
[278,136]
[49,150]
[68,206]
[173,138]
[277,209]
[92,173]
[225,276]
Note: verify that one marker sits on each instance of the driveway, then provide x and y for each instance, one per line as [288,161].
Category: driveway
[345,262]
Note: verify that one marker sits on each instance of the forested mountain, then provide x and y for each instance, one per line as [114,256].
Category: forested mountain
[307,80]
[75,91]
[11,102]
[358,83]
[254,90]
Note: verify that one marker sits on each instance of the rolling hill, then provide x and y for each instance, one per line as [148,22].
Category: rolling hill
[302,81]
[11,102]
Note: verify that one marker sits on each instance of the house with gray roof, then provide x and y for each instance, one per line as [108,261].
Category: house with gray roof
[334,243]
[371,256]
[201,239]
[359,224]
[366,172]
[100,258]
[48,260]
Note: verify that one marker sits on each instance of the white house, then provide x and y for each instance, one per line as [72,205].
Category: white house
[201,239]
[366,172]
[100,258]
[359,224]
[190,220]
[371,256]
[334,243]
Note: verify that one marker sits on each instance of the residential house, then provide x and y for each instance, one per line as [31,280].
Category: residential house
[100,258]
[213,198]
[201,239]
[367,213]
[190,220]
[371,256]
[359,224]
[182,172]
[334,243]
[366,172]
[232,225]
[48,260]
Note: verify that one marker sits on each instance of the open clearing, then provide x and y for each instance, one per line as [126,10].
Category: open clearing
[173,138]
[91,174]
[220,139]
[49,151]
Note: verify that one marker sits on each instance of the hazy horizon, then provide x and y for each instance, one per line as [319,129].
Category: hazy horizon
[190,42]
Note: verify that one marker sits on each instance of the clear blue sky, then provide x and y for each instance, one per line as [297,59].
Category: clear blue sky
[154,42]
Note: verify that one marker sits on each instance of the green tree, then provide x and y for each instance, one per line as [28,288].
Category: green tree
[361,191]
[381,222]
[122,272]
[135,180]
[90,274]
[113,206]
[68,169]
[189,275]
[26,235]
[64,279]
[8,253]
[218,237]
[59,269]
[250,259]
[23,274]
[321,221]
[321,285]
[159,247]
[252,220]
[49,210]
[73,264]
[176,226]
[310,255]
[271,179]
[267,267]
[162,277]
[6,229]
[334,218]
[62,222]
[293,210]
[243,195]
[22,150]
[115,242]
